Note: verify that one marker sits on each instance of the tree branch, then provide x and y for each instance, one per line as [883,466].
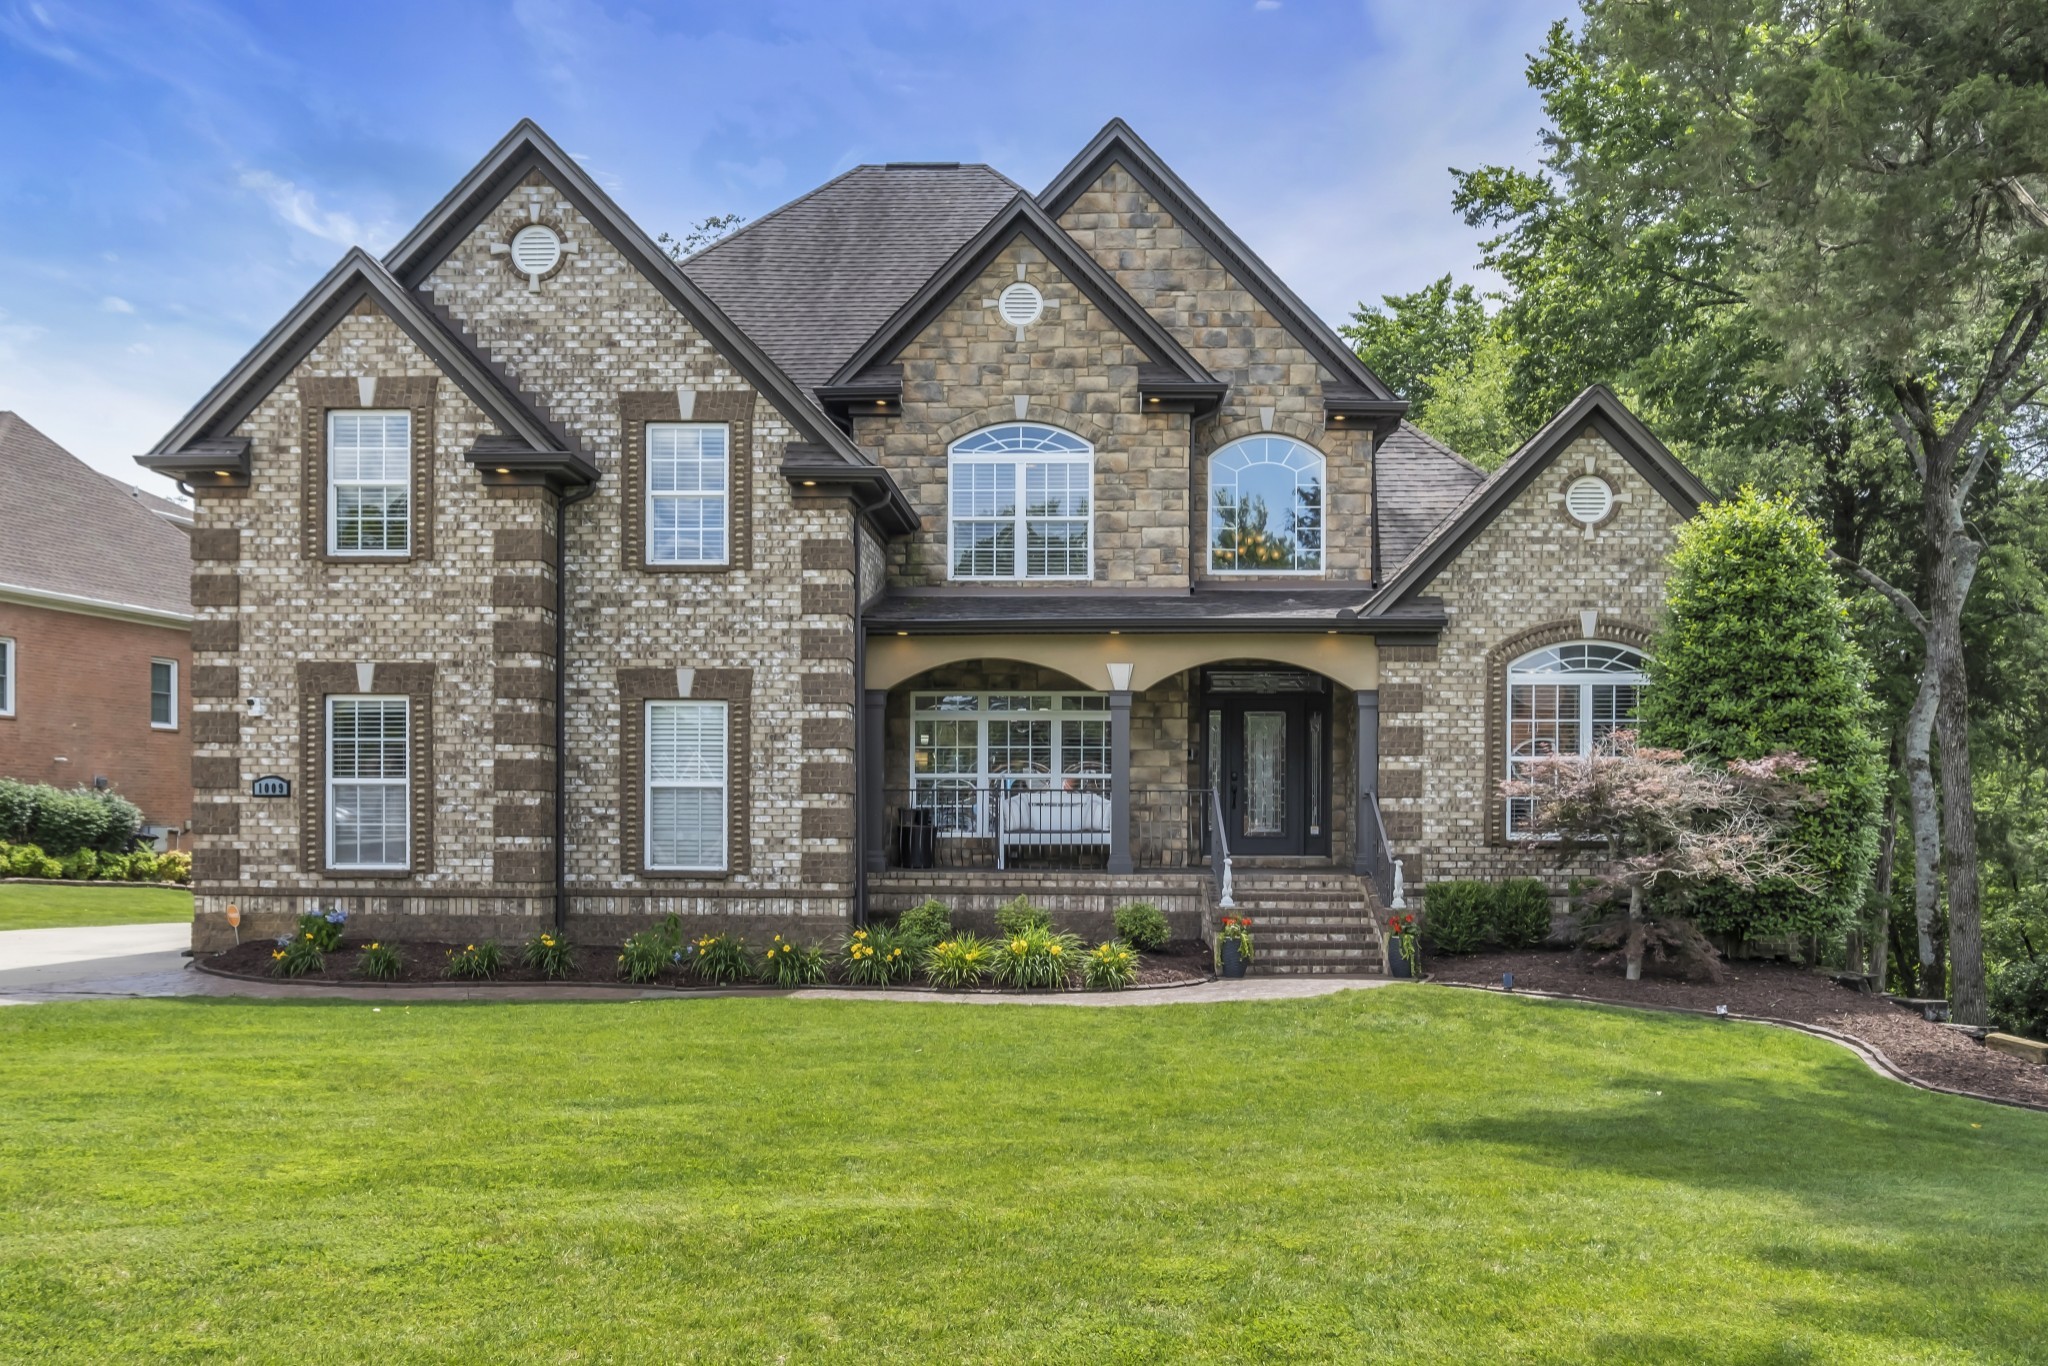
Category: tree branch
[1905,605]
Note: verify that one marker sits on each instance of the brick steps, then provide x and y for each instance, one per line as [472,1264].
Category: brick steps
[1310,921]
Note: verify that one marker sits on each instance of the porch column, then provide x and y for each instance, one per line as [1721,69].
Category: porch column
[1120,779]
[1367,784]
[874,805]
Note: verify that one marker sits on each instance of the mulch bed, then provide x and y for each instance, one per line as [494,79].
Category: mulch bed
[1178,963]
[1930,1052]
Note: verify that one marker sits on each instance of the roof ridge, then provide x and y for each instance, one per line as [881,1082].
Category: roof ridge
[1439,444]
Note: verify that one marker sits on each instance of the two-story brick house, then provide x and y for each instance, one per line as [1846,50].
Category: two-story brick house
[924,536]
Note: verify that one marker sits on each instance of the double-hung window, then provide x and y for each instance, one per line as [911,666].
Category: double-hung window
[1021,504]
[1567,700]
[369,782]
[163,694]
[6,676]
[369,482]
[689,486]
[687,783]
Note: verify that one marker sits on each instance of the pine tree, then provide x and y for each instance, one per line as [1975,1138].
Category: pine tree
[1755,659]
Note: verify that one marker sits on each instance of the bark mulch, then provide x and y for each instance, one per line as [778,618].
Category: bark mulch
[1928,1052]
[1178,963]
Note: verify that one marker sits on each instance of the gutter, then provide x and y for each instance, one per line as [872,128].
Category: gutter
[93,607]
[562,507]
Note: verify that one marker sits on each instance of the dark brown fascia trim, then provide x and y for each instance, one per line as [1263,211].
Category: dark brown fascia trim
[1352,407]
[874,492]
[1117,142]
[1010,624]
[1023,217]
[877,392]
[1166,391]
[508,461]
[218,464]
[528,148]
[1596,407]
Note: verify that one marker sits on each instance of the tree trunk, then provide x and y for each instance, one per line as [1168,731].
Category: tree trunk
[1952,566]
[1881,891]
[1920,806]
[1635,943]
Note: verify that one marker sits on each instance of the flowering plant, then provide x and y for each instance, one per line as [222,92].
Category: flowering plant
[549,954]
[324,928]
[875,957]
[960,961]
[1237,929]
[380,962]
[297,955]
[719,958]
[1401,931]
[787,965]
[1036,957]
[1110,967]
[475,961]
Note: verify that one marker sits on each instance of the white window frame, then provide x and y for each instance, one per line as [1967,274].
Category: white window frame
[723,786]
[1020,457]
[335,486]
[404,783]
[1553,673]
[1322,530]
[1060,709]
[171,724]
[657,499]
[8,653]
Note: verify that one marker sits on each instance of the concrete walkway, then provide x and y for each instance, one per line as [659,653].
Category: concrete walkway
[89,962]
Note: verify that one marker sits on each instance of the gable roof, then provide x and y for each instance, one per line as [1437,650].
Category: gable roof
[1417,482]
[1118,143]
[812,280]
[204,437]
[1022,217]
[72,533]
[1597,407]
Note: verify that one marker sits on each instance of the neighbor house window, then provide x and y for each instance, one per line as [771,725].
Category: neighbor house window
[687,774]
[369,782]
[689,469]
[6,676]
[369,482]
[1266,507]
[1022,504]
[163,694]
[965,746]
[1567,699]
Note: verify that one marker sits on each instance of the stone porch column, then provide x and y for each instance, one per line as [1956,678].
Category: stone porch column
[1367,783]
[1120,781]
[874,804]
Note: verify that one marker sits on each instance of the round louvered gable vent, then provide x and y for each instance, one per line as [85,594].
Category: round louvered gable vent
[1589,499]
[536,250]
[1021,304]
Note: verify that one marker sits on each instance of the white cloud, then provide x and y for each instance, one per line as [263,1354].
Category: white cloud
[114,303]
[1266,4]
[302,210]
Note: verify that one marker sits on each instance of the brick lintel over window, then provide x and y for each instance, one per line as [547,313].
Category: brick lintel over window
[638,687]
[317,398]
[320,681]
[736,411]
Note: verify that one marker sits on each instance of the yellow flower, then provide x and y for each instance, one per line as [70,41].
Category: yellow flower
[1055,950]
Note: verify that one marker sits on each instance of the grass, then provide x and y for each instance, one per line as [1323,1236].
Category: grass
[36,906]
[1409,1174]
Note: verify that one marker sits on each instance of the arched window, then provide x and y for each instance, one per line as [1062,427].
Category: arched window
[1021,504]
[1567,699]
[1266,507]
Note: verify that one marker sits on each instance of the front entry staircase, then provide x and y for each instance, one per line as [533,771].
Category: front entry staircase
[1310,920]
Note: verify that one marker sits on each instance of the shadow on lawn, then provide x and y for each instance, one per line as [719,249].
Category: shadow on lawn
[1904,1199]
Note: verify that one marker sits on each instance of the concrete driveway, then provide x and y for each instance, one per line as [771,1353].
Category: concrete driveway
[95,961]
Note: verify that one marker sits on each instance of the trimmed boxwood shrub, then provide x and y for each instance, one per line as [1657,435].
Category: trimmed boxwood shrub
[925,924]
[62,823]
[1142,925]
[1458,916]
[1521,913]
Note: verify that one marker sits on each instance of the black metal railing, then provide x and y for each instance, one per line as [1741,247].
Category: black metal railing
[1053,823]
[1386,869]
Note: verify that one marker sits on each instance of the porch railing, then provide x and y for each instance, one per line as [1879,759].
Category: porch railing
[1386,869]
[1035,823]
[1219,852]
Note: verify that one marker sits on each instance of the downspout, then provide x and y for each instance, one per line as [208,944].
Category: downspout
[861,815]
[562,507]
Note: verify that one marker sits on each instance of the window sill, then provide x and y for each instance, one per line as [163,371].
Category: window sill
[173,730]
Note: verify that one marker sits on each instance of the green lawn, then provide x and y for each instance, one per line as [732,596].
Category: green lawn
[35,906]
[1411,1174]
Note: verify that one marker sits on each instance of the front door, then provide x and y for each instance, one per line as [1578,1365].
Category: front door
[1267,757]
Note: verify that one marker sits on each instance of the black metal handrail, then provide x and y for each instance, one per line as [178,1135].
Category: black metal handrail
[1386,869]
[1039,821]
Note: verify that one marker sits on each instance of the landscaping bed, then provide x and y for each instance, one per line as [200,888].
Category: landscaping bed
[1930,1052]
[425,962]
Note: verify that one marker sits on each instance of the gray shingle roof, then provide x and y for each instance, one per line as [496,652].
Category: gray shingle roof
[66,528]
[1418,482]
[814,279]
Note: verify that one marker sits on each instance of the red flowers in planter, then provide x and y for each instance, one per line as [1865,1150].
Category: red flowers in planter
[1401,924]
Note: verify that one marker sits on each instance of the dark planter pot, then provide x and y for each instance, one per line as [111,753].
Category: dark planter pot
[1397,961]
[1233,961]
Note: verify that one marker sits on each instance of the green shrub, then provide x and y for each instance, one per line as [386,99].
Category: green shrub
[721,959]
[29,860]
[1016,917]
[475,962]
[1110,967]
[175,866]
[645,954]
[1142,925]
[2019,997]
[1521,913]
[549,955]
[17,810]
[112,867]
[876,957]
[784,964]
[1458,917]
[961,961]
[62,823]
[297,956]
[925,924]
[324,928]
[380,962]
[142,866]
[1036,957]
[81,865]
[66,821]
[124,819]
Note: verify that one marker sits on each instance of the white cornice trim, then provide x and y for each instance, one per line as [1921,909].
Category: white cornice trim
[92,607]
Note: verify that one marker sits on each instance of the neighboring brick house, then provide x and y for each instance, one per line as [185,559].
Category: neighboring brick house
[925,536]
[95,632]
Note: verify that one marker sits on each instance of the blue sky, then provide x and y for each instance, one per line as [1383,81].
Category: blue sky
[178,173]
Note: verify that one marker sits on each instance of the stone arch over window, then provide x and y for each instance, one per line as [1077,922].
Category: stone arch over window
[1266,507]
[1020,504]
